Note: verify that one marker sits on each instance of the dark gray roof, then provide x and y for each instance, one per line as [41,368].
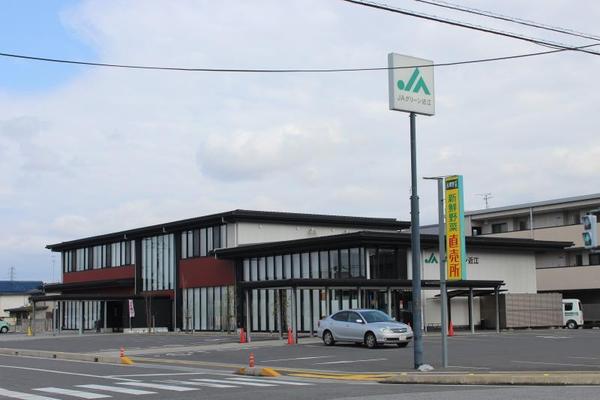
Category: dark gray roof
[384,239]
[239,216]
[564,200]
[19,287]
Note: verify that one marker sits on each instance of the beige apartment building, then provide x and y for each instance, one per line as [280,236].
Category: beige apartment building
[575,272]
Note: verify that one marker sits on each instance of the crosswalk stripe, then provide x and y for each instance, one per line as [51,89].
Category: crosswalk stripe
[158,386]
[268,380]
[74,393]
[230,382]
[23,396]
[116,389]
[207,384]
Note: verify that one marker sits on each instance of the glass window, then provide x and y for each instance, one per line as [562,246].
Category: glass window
[223,236]
[305,265]
[594,259]
[253,269]
[296,267]
[341,316]
[217,308]
[184,245]
[246,267]
[202,242]
[190,243]
[287,266]
[314,265]
[262,269]
[209,238]
[278,267]
[353,317]
[270,268]
[344,264]
[334,263]
[355,263]
[196,250]
[324,264]
[375,316]
[216,236]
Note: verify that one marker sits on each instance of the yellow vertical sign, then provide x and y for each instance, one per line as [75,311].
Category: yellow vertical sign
[455,229]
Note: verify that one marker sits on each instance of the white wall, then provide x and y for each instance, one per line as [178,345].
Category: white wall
[250,232]
[12,301]
[515,268]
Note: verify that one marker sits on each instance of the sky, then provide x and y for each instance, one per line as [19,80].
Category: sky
[89,150]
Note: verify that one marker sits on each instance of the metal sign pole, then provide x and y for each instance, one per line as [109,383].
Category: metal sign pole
[415,247]
[443,293]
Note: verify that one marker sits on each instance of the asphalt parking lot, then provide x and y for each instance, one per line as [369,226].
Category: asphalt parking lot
[530,350]
[93,343]
[548,350]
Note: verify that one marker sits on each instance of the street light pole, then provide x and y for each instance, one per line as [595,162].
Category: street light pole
[442,253]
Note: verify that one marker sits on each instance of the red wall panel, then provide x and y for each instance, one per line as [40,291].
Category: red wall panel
[104,274]
[206,271]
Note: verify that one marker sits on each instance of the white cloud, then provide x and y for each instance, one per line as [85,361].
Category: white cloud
[116,149]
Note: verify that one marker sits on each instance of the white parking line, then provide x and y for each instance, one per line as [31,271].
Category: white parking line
[465,367]
[277,381]
[159,386]
[586,358]
[232,383]
[206,384]
[559,364]
[351,361]
[23,396]
[74,393]
[297,358]
[135,392]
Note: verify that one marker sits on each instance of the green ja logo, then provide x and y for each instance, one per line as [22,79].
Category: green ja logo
[431,260]
[411,86]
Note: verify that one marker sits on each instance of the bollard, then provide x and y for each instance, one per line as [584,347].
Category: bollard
[251,360]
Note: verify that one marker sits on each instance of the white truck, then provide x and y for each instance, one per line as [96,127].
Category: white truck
[572,313]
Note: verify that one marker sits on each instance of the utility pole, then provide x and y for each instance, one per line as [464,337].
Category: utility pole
[11,273]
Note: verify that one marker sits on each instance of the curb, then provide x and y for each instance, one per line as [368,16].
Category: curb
[61,355]
[524,378]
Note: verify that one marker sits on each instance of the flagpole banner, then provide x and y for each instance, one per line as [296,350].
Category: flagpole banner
[456,268]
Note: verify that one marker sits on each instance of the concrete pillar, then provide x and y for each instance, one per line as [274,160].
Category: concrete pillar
[248,319]
[497,293]
[105,315]
[279,312]
[389,301]
[80,317]
[327,301]
[60,315]
[359,297]
[471,318]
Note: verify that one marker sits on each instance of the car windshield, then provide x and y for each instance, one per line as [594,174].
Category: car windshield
[375,316]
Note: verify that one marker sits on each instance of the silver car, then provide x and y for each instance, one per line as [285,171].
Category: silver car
[371,327]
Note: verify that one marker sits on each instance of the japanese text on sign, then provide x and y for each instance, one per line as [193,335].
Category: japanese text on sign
[455,233]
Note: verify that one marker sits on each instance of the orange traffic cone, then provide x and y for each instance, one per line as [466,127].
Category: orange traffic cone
[251,360]
[451,329]
[242,336]
[290,336]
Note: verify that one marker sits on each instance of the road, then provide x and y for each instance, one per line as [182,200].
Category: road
[45,379]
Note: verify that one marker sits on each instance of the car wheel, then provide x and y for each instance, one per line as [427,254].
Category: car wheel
[4,329]
[572,324]
[402,344]
[370,340]
[328,338]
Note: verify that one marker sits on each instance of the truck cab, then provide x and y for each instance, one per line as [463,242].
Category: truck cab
[572,313]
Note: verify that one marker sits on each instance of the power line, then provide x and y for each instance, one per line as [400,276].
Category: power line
[293,70]
[520,21]
[541,42]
